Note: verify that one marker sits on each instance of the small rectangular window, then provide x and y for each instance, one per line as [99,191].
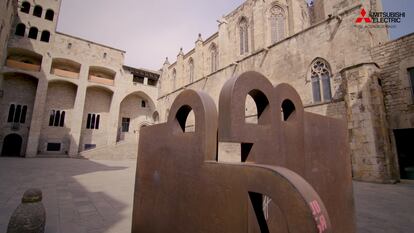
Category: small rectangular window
[88,122]
[11,113]
[138,79]
[97,122]
[17,114]
[152,82]
[23,116]
[411,71]
[125,124]
[53,147]
[143,104]
[89,146]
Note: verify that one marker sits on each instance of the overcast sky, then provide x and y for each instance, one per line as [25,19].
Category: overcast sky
[151,30]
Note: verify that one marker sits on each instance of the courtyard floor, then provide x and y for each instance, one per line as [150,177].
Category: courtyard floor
[96,196]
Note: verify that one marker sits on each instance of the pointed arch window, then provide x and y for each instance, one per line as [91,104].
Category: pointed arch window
[25,8]
[320,78]
[244,36]
[174,76]
[277,24]
[191,69]
[33,33]
[214,57]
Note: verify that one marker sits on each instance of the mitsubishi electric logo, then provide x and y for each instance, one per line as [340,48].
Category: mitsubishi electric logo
[363,18]
[379,19]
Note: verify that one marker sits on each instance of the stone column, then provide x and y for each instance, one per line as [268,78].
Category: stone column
[368,130]
[77,116]
[37,118]
[114,117]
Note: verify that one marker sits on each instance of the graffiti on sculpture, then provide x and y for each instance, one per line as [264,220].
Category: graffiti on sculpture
[294,172]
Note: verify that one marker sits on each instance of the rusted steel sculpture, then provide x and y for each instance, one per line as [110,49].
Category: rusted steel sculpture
[294,174]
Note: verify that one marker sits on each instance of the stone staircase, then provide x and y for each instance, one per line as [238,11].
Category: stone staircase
[119,151]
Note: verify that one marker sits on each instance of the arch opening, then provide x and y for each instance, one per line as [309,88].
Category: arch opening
[20,29]
[101,75]
[12,145]
[65,68]
[255,104]
[50,14]
[186,119]
[33,33]
[45,36]
[25,8]
[287,109]
[37,11]
[23,59]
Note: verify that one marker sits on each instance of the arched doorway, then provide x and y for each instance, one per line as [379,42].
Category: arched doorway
[12,145]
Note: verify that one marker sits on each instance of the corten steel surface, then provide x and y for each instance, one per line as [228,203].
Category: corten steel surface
[294,174]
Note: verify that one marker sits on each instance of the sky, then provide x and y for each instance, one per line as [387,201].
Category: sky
[150,30]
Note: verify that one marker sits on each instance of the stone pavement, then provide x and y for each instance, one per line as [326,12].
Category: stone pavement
[88,196]
[385,208]
[79,195]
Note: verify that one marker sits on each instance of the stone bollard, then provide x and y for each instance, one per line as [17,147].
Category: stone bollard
[30,215]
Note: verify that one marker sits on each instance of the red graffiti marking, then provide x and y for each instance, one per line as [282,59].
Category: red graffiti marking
[319,217]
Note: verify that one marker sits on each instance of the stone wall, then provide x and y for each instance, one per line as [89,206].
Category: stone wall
[8,11]
[77,58]
[355,97]
[371,155]
[395,58]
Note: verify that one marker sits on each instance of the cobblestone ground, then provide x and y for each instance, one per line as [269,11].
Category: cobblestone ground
[85,196]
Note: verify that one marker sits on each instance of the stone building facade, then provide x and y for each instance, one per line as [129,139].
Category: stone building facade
[340,68]
[65,96]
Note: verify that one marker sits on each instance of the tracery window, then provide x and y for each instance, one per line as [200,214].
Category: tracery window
[320,78]
[277,24]
[244,36]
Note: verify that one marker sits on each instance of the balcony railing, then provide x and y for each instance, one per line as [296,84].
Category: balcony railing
[21,65]
[105,81]
[65,73]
